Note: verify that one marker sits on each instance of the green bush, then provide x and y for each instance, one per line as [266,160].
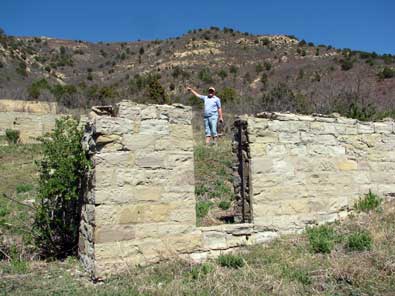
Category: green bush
[231,261]
[155,92]
[359,241]
[12,136]
[321,238]
[386,73]
[205,75]
[258,68]
[223,74]
[346,64]
[224,204]
[61,185]
[22,188]
[202,208]
[368,202]
[227,95]
[267,66]
[199,271]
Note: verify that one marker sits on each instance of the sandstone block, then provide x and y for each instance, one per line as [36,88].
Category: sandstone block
[365,128]
[136,142]
[383,127]
[113,125]
[128,194]
[134,213]
[214,240]
[154,127]
[113,233]
[264,237]
[105,139]
[323,128]
[293,137]
[347,165]
[150,160]
[160,230]
[114,159]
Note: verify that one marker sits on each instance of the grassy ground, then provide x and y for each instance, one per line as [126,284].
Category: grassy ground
[213,182]
[213,173]
[18,179]
[287,266]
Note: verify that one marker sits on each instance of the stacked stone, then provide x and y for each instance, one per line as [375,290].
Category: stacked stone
[142,190]
[32,119]
[140,203]
[30,125]
[241,172]
[309,169]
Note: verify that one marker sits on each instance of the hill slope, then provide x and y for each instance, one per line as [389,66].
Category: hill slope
[266,72]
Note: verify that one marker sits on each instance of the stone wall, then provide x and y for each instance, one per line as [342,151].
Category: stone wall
[311,169]
[31,119]
[140,206]
[296,170]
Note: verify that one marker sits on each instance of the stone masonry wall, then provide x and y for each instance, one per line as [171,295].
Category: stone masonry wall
[31,119]
[311,169]
[297,170]
[140,207]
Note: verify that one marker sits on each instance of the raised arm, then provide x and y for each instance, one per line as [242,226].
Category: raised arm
[194,92]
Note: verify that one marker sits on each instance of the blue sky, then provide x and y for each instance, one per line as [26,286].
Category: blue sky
[364,25]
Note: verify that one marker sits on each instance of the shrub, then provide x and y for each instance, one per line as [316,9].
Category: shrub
[369,202]
[346,64]
[202,208]
[200,271]
[205,75]
[12,136]
[321,238]
[21,69]
[359,241]
[22,188]
[265,41]
[302,42]
[62,174]
[231,261]
[233,69]
[228,94]
[386,73]
[268,66]
[224,204]
[258,68]
[155,93]
[223,74]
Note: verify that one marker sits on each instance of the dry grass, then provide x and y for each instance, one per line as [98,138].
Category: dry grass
[284,267]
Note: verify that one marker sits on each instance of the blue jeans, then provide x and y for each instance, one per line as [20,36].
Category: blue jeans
[210,125]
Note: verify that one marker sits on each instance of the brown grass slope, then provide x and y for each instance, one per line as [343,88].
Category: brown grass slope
[252,72]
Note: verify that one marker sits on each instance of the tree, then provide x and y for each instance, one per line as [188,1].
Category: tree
[233,69]
[228,95]
[223,74]
[61,186]
[258,68]
[155,92]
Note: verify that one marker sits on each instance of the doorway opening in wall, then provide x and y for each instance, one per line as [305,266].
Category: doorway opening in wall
[216,201]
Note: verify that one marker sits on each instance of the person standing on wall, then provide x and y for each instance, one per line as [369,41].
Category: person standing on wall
[212,110]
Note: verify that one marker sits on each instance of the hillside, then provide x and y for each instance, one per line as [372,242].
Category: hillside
[251,72]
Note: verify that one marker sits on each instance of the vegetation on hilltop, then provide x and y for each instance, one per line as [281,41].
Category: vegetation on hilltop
[252,72]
